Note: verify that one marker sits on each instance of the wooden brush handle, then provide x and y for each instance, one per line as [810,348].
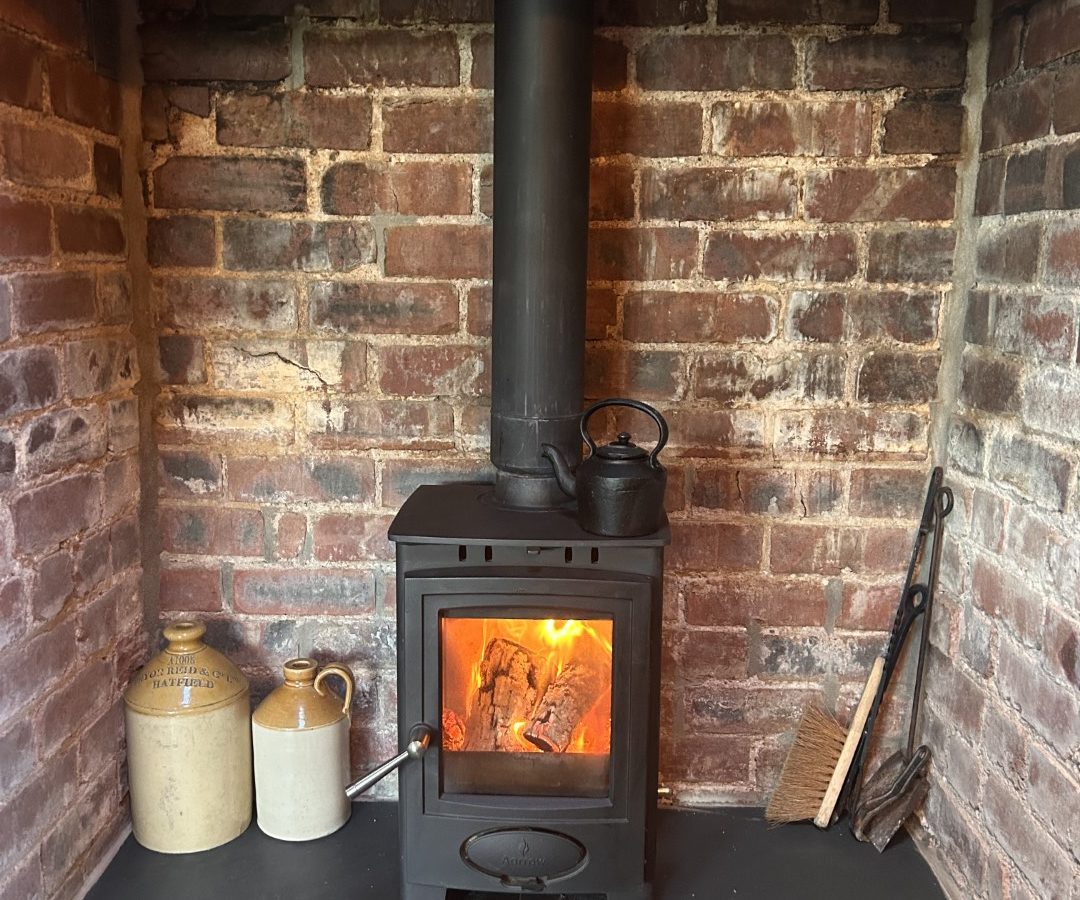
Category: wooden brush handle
[832,793]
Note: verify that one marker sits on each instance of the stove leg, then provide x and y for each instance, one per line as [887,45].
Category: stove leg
[422,892]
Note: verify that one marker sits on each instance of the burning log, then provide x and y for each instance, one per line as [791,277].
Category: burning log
[564,704]
[509,679]
[453,730]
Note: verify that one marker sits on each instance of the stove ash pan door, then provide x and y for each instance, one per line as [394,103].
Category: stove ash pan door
[544,691]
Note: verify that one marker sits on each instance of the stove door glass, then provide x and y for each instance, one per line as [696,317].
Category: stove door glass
[526,705]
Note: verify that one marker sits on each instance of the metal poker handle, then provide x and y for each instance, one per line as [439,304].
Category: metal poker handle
[420,737]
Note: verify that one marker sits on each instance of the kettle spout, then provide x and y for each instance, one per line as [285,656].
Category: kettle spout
[563,475]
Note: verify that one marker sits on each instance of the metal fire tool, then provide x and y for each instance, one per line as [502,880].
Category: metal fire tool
[420,736]
[897,788]
[912,604]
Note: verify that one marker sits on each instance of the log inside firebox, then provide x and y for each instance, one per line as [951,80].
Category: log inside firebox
[509,684]
[564,704]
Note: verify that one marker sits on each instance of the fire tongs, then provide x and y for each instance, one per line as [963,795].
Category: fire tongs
[895,790]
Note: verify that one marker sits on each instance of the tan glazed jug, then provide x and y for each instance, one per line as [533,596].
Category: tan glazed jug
[189,747]
[300,734]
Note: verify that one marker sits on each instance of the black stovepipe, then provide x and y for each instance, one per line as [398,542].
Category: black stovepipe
[543,84]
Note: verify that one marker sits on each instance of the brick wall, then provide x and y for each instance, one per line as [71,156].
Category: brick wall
[1005,724]
[70,617]
[773,191]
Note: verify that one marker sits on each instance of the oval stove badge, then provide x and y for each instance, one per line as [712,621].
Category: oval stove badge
[531,853]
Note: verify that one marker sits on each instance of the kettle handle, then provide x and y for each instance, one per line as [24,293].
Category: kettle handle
[661,424]
[344,674]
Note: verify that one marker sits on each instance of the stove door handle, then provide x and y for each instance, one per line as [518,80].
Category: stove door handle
[420,737]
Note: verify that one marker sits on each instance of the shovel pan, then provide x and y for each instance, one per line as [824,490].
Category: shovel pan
[890,796]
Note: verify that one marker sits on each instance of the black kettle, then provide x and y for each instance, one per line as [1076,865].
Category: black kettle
[620,486]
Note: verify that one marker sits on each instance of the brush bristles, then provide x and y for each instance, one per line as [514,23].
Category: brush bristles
[804,779]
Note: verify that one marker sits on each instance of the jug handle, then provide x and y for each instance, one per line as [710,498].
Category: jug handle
[344,674]
[661,424]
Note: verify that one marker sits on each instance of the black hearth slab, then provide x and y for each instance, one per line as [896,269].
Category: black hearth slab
[703,854]
[467,514]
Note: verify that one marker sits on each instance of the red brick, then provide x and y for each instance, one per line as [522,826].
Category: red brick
[706,655]
[862,195]
[641,254]
[1053,31]
[427,11]
[868,607]
[989,186]
[182,359]
[1005,39]
[442,370]
[245,303]
[80,95]
[924,126]
[712,546]
[384,308]
[313,120]
[54,585]
[1017,112]
[400,477]
[648,13]
[832,316]
[439,251]
[231,183]
[55,512]
[802,655]
[694,62]
[851,432]
[888,376]
[437,126]
[70,706]
[720,709]
[611,193]
[1051,708]
[742,600]
[258,245]
[173,51]
[715,758]
[290,530]
[343,537]
[24,229]
[418,189]
[1008,599]
[44,155]
[29,379]
[608,70]
[648,374]
[21,78]
[1049,785]
[780,256]
[750,491]
[186,473]
[337,58]
[718,194]
[887,493]
[654,129]
[211,530]
[108,174]
[1029,183]
[923,255]
[794,12]
[866,61]
[990,385]
[91,231]
[1038,472]
[190,590]
[1009,253]
[745,378]
[710,432]
[288,479]
[1067,101]
[773,128]
[62,438]
[385,424]
[312,591]
[1036,327]
[212,417]
[1063,255]
[660,316]
[182,241]
[47,301]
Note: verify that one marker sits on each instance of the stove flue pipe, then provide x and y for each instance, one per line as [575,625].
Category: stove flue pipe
[543,87]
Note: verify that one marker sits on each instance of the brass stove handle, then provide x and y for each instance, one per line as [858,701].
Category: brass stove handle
[420,737]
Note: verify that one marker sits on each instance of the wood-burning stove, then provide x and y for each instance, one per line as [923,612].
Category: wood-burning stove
[531,647]
[528,648]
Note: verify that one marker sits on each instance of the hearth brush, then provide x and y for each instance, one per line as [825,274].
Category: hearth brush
[818,761]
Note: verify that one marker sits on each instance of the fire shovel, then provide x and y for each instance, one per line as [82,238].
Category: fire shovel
[899,786]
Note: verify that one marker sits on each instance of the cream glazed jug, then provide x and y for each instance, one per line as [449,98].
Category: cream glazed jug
[300,734]
[189,748]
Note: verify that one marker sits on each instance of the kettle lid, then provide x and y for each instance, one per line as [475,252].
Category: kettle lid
[621,448]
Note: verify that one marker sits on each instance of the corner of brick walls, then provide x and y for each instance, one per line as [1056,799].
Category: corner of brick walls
[70,611]
[1004,685]
[772,205]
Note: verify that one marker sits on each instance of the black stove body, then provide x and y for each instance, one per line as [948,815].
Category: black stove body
[517,819]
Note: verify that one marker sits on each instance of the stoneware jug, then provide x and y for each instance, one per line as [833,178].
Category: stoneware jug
[189,747]
[300,734]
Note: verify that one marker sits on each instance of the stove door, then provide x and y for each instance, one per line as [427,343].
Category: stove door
[530,682]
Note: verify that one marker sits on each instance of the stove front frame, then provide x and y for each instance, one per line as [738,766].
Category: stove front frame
[601,576]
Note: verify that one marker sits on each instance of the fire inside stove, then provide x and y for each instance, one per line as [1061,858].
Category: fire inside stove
[526,705]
